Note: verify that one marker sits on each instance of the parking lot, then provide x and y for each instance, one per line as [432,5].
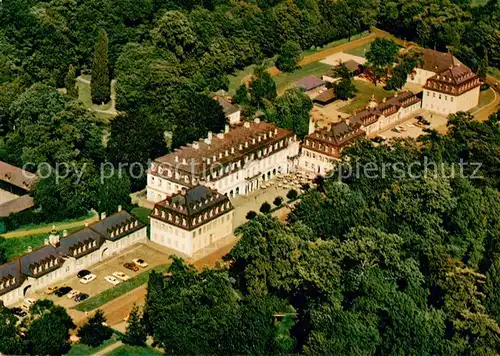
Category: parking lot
[146,252]
[436,122]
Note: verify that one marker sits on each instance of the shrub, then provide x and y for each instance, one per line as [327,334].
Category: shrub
[265,208]
[277,201]
[292,194]
[251,214]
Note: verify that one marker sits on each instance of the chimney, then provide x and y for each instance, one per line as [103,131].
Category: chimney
[347,122]
[30,249]
[196,145]
[46,242]
[119,208]
[232,150]
[176,159]
[209,136]
[226,153]
[246,124]
[103,215]
[256,120]
[220,135]
[65,233]
[184,161]
[86,224]
[226,128]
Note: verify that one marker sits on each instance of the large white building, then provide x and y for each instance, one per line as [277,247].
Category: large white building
[452,90]
[63,257]
[233,162]
[322,148]
[192,219]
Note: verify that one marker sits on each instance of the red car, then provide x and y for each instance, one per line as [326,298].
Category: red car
[131,266]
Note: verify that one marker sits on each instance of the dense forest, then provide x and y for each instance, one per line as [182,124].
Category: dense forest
[389,266]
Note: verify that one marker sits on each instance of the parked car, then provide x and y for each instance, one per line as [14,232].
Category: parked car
[63,291]
[140,262]
[51,290]
[110,279]
[18,312]
[131,266]
[28,302]
[88,278]
[83,273]
[81,297]
[121,275]
[72,294]
[422,120]
[379,139]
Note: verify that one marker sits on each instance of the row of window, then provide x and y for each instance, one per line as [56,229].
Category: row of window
[445,97]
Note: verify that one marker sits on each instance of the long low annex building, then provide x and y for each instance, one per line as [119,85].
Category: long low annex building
[192,219]
[234,162]
[62,257]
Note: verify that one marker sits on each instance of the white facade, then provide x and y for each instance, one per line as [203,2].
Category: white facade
[384,122]
[70,266]
[235,162]
[446,104]
[234,118]
[315,162]
[257,169]
[190,241]
[420,76]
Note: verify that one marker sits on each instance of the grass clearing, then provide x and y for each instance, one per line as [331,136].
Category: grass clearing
[127,350]
[485,97]
[360,51]
[364,94]
[142,214]
[115,292]
[283,80]
[494,72]
[82,349]
[28,227]
[236,79]
[337,43]
[18,246]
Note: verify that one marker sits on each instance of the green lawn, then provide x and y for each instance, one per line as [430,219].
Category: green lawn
[17,246]
[485,97]
[364,94]
[337,43]
[81,349]
[236,80]
[284,80]
[494,72]
[58,223]
[115,292]
[479,2]
[127,350]
[142,214]
[360,51]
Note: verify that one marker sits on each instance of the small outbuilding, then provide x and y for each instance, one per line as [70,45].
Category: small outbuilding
[325,98]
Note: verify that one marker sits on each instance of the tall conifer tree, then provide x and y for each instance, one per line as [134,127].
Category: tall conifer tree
[101,89]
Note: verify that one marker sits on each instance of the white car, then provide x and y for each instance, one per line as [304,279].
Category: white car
[88,278]
[72,294]
[140,263]
[110,279]
[121,275]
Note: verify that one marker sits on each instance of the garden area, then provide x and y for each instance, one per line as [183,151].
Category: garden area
[364,95]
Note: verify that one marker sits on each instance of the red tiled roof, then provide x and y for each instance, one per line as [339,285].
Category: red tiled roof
[221,149]
[17,176]
[455,80]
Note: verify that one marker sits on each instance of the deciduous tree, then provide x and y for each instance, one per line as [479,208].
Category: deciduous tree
[95,331]
[288,57]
